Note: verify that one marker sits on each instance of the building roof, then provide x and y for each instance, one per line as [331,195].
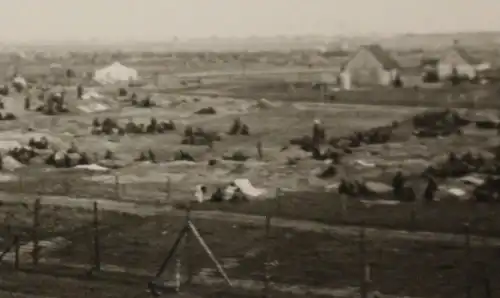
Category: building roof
[429,62]
[384,57]
[466,56]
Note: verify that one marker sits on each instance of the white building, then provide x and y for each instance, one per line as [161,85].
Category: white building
[115,73]
[459,59]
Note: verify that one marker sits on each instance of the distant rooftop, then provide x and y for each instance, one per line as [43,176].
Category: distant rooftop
[383,56]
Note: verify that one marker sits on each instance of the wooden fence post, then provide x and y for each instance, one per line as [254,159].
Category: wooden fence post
[277,198]
[21,183]
[343,206]
[97,251]
[322,92]
[363,262]
[413,217]
[178,274]
[188,250]
[467,243]
[42,188]
[168,189]
[266,276]
[260,152]
[487,287]
[117,187]
[36,225]
[16,252]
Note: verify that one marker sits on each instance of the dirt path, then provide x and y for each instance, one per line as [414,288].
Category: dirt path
[302,225]
[304,106]
[20,295]
[84,203]
[298,225]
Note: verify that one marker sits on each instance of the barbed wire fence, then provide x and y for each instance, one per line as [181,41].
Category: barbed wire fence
[29,249]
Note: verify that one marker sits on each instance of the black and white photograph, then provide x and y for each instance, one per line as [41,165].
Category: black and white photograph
[249,149]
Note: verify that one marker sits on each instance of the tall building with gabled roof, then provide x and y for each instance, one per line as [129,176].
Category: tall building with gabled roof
[459,59]
[372,65]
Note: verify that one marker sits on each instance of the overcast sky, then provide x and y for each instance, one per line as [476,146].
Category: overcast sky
[31,20]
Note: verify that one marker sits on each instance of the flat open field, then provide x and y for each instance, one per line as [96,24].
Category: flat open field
[122,245]
[18,219]
[169,182]
[379,164]
[43,285]
[466,96]
[273,126]
[446,216]
[54,221]
[314,260]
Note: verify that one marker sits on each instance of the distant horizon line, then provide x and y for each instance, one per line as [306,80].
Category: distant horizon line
[174,39]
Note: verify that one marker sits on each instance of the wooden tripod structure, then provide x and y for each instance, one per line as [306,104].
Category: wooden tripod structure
[189,229]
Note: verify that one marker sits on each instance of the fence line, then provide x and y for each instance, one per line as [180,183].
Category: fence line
[97,264]
[339,210]
[64,184]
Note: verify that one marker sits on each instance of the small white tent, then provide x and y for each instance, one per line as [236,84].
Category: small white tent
[115,73]
[20,81]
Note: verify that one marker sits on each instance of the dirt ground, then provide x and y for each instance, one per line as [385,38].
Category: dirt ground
[149,181]
[313,260]
[411,157]
[423,270]
[418,269]
[466,96]
[44,284]
[146,243]
[170,182]
[446,216]
[18,219]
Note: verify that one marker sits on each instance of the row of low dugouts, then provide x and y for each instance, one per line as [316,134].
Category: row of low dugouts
[192,136]
[73,157]
[333,149]
[110,127]
[426,124]
[6,89]
[456,166]
[39,152]
[448,122]
[52,103]
[402,189]
[436,121]
[323,148]
[146,102]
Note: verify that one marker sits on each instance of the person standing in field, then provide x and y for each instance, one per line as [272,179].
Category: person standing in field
[27,102]
[430,190]
[318,134]
[398,183]
[260,152]
[79,91]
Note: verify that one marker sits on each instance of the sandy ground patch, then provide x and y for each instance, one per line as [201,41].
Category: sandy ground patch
[273,127]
